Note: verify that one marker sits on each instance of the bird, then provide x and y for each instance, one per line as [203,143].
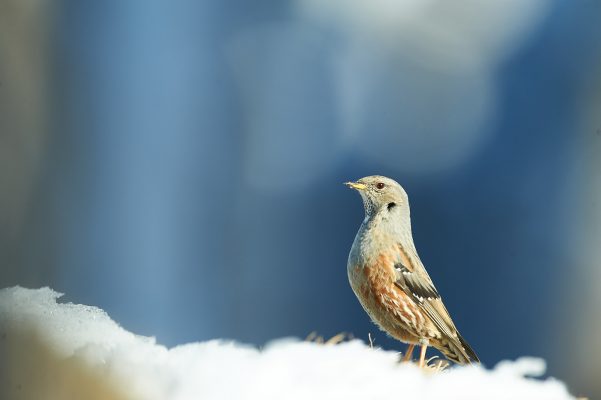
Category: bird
[391,282]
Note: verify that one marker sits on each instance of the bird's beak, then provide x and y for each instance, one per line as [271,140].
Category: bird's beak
[356,185]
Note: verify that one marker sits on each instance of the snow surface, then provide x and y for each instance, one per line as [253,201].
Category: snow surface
[284,369]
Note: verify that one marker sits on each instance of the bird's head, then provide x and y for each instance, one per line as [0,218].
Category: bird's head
[380,194]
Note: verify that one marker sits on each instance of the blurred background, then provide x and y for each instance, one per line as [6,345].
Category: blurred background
[179,164]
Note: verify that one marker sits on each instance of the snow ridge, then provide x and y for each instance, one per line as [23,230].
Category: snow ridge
[285,368]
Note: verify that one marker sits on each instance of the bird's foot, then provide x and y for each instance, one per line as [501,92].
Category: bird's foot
[409,353]
[422,356]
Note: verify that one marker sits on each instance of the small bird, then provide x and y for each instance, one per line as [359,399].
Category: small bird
[390,280]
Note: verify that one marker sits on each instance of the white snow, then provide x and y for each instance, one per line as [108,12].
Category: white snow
[284,369]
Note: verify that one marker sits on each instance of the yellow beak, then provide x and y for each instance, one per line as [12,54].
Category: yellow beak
[356,185]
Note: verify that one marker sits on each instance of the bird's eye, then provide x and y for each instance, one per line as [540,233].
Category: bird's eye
[380,185]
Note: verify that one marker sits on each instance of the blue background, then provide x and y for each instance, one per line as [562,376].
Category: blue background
[188,160]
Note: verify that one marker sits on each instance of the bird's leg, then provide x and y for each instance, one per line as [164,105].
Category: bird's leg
[409,352]
[422,356]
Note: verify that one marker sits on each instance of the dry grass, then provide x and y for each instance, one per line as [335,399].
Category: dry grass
[433,364]
[339,338]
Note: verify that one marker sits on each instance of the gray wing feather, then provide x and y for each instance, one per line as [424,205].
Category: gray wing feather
[425,295]
[417,282]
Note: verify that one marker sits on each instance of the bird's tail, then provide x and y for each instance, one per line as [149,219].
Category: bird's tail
[459,351]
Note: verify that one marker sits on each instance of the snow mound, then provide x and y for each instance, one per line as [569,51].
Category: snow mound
[285,368]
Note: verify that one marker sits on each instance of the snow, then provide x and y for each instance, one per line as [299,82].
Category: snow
[285,368]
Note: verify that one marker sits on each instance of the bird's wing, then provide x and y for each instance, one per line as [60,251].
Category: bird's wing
[415,281]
